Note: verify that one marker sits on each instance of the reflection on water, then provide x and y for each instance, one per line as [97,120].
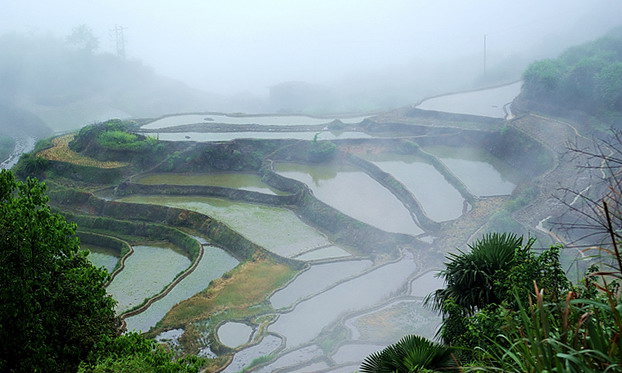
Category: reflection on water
[440,200]
[293,358]
[214,263]
[243,358]
[479,171]
[228,136]
[235,180]
[277,229]
[317,278]
[146,273]
[355,352]
[309,317]
[234,334]
[391,322]
[487,103]
[354,193]
[102,257]
[267,120]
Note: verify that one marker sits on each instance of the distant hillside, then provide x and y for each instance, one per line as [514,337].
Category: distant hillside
[586,78]
[68,85]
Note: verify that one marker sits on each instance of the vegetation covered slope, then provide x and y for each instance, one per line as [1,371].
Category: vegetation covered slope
[587,77]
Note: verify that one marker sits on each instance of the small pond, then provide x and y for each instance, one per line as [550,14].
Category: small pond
[308,318]
[487,103]
[265,120]
[147,272]
[102,257]
[483,174]
[440,200]
[354,193]
[228,136]
[234,334]
[277,229]
[214,263]
[317,278]
[245,181]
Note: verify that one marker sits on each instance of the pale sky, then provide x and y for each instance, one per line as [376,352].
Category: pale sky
[246,46]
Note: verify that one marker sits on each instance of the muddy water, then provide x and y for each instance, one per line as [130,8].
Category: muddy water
[440,200]
[479,171]
[308,318]
[278,230]
[146,273]
[354,193]
[214,263]
[228,136]
[487,103]
[234,334]
[317,278]
[236,180]
[102,257]
[271,120]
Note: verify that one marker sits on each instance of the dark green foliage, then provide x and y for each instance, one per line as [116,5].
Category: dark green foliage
[411,354]
[321,151]
[482,286]
[133,353]
[587,77]
[470,276]
[7,144]
[31,165]
[54,306]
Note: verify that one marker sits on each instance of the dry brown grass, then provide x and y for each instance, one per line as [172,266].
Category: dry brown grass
[61,152]
[247,285]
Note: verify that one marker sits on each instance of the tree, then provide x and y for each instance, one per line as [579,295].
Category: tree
[53,304]
[411,354]
[82,38]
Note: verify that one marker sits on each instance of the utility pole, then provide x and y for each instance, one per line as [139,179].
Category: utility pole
[484,54]
[120,40]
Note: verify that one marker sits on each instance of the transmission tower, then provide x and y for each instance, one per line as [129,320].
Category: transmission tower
[120,40]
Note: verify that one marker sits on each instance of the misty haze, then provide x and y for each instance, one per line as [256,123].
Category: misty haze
[334,186]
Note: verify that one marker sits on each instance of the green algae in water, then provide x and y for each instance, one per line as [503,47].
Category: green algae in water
[213,265]
[147,272]
[354,193]
[243,181]
[440,200]
[277,229]
[102,257]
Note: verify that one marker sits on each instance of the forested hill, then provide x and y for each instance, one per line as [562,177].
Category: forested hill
[587,77]
[67,83]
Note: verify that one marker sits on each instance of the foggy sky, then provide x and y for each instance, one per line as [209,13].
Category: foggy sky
[246,46]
